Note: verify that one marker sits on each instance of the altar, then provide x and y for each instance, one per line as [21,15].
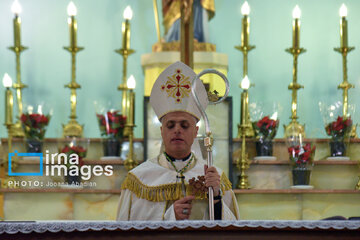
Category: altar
[182,229]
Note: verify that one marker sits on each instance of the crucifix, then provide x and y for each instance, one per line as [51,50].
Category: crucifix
[187,33]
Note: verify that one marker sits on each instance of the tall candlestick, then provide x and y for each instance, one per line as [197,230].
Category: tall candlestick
[343,27]
[9,100]
[16,9]
[245,10]
[296,27]
[126,28]
[72,11]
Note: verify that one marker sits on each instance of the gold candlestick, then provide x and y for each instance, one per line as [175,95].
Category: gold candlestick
[125,51]
[73,128]
[344,50]
[245,48]
[295,128]
[16,128]
[130,162]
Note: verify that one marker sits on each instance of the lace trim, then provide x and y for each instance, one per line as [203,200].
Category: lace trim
[70,226]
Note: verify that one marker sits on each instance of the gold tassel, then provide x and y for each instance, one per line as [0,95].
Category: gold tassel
[165,192]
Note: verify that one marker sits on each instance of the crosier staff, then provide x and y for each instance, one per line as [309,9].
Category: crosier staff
[208,141]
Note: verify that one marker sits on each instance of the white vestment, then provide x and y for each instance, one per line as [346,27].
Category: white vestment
[149,191]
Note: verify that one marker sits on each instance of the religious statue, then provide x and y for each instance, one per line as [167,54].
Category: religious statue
[203,11]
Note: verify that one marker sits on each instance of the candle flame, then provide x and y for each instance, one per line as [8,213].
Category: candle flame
[7,81]
[131,83]
[245,83]
[245,8]
[16,7]
[71,9]
[128,13]
[343,10]
[296,12]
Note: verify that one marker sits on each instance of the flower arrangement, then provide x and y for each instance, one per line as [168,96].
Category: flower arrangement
[302,155]
[265,128]
[339,129]
[78,150]
[112,124]
[34,125]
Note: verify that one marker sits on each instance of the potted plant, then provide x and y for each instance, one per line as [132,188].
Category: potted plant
[337,125]
[338,130]
[302,160]
[265,130]
[34,125]
[112,124]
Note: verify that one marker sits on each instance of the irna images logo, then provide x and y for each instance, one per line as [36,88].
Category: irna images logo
[60,165]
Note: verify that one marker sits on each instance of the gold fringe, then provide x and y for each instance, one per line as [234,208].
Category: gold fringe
[165,192]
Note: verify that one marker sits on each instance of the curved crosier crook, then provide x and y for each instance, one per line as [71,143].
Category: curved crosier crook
[208,141]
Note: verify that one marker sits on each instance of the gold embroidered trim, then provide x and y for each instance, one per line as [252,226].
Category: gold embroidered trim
[165,192]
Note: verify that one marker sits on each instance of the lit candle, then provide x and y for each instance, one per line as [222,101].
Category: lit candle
[343,26]
[16,9]
[131,83]
[126,28]
[72,11]
[245,10]
[9,99]
[245,84]
[296,27]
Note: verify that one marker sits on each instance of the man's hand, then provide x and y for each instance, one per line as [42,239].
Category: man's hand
[212,179]
[182,208]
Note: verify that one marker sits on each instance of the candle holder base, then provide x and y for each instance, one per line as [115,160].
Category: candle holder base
[73,129]
[357,187]
[295,51]
[17,130]
[243,183]
[125,52]
[294,129]
[18,49]
[74,49]
[130,164]
[343,50]
[248,131]
[245,48]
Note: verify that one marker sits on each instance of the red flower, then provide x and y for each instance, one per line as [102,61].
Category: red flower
[111,124]
[23,118]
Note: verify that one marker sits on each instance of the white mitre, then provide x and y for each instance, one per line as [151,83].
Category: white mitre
[172,91]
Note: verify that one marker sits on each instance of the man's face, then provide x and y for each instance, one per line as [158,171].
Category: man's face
[178,132]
